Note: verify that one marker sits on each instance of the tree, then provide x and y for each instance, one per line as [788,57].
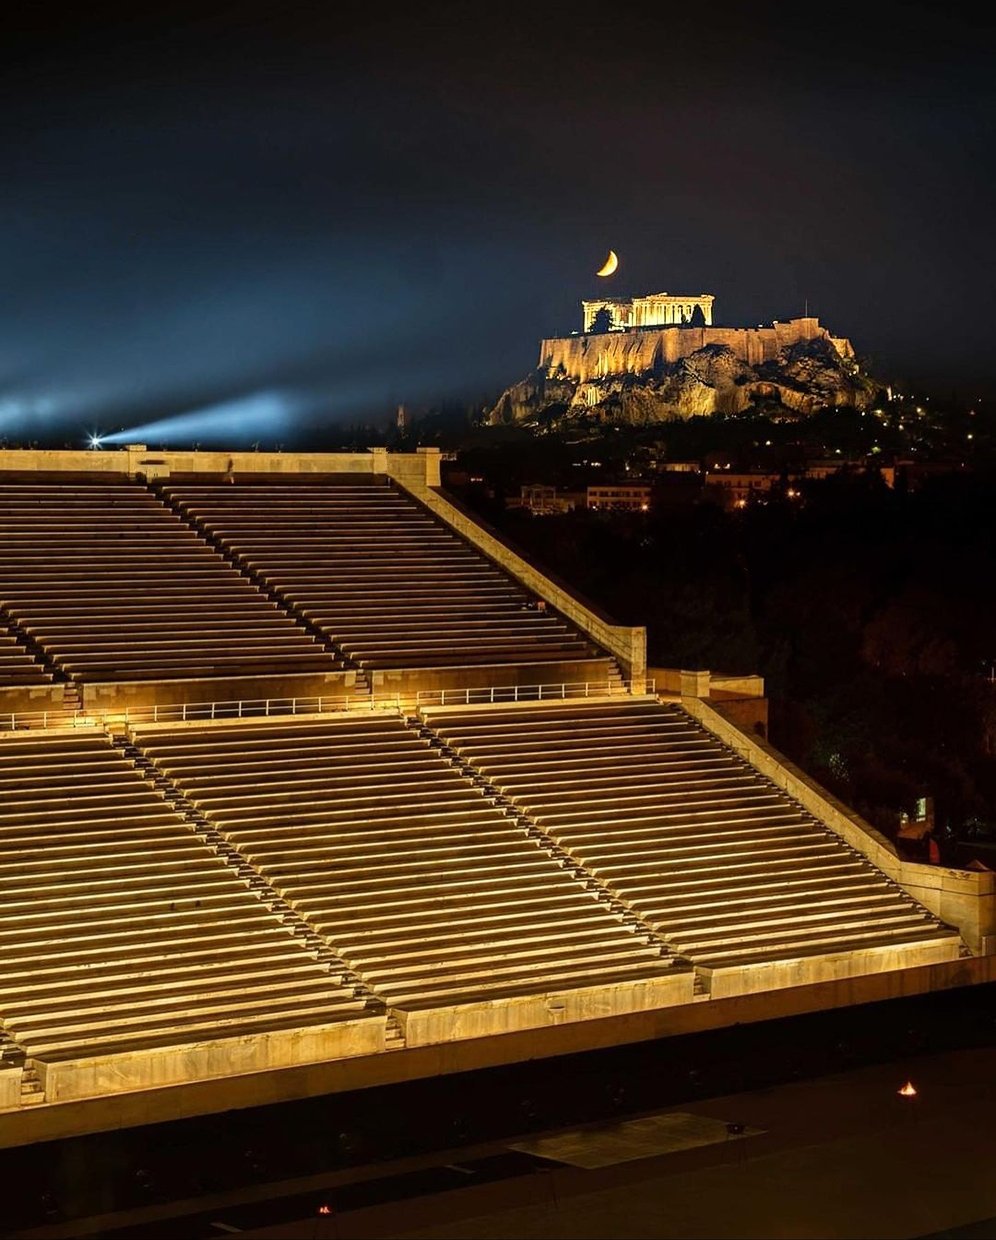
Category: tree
[602,322]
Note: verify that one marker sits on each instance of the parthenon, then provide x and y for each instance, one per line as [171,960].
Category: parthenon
[653,310]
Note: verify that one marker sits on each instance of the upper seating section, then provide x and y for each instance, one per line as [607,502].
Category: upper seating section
[114,586]
[122,929]
[17,664]
[390,583]
[721,862]
[425,888]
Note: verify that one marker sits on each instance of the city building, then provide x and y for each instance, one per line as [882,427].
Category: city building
[736,488]
[621,497]
[543,500]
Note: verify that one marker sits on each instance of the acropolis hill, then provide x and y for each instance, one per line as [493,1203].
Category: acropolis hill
[660,356]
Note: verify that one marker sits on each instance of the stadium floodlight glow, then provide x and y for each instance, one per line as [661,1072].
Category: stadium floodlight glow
[224,422]
[95,441]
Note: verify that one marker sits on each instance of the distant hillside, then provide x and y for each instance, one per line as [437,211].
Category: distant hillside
[634,377]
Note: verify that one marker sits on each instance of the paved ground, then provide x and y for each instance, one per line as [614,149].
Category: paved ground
[838,1157]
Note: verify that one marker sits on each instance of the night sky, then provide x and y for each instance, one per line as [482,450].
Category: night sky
[286,214]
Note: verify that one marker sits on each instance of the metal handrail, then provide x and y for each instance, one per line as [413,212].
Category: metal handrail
[496,694]
[242,708]
[15,721]
[183,712]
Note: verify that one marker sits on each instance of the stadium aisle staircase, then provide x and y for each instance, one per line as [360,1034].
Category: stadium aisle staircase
[720,861]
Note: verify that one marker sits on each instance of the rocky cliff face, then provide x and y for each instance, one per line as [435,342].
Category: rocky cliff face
[804,377]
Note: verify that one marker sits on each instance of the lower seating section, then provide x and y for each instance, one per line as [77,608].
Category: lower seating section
[390,583]
[726,866]
[429,891]
[123,931]
[114,586]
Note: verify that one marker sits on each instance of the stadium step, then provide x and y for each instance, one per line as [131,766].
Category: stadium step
[430,887]
[32,1090]
[707,851]
[22,660]
[125,929]
[104,582]
[534,831]
[362,685]
[317,947]
[387,582]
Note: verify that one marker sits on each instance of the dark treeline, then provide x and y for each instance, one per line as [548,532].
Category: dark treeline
[868,610]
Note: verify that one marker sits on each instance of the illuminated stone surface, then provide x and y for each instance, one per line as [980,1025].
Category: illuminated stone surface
[428,890]
[726,867]
[143,951]
[128,940]
[653,310]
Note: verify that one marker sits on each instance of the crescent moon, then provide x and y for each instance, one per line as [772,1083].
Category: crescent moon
[609,266]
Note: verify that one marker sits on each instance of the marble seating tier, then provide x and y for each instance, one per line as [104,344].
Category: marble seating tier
[133,952]
[725,866]
[18,666]
[447,908]
[113,586]
[389,582]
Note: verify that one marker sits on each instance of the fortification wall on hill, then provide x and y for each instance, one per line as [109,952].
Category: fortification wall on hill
[585,357]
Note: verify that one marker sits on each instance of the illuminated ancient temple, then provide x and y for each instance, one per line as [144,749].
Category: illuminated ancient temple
[653,310]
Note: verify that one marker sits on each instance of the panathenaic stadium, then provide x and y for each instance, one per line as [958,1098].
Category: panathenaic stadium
[309,783]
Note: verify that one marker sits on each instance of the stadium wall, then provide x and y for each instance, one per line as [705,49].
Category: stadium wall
[31,699]
[144,1069]
[47,1122]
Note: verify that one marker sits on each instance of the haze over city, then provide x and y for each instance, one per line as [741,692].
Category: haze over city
[326,214]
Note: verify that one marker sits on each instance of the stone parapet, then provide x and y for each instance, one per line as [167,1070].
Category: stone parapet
[421,466]
[739,698]
[768,975]
[405,684]
[31,699]
[445,1024]
[700,683]
[116,697]
[96,1075]
[20,1126]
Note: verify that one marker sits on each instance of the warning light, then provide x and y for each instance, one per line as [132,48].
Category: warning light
[908,1090]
